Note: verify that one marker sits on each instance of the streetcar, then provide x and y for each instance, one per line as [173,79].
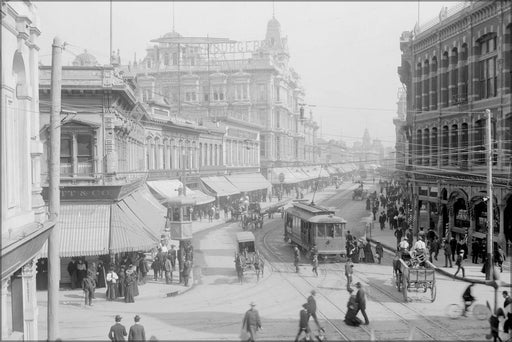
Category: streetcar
[307,225]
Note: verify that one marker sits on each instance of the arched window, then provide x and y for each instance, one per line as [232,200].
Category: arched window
[488,77]
[426,87]
[454,77]
[166,59]
[454,151]
[200,155]
[434,145]
[463,90]
[464,141]
[419,90]
[426,147]
[419,147]
[479,142]
[444,80]
[446,146]
[433,84]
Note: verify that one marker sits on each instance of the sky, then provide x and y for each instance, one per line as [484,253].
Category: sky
[346,53]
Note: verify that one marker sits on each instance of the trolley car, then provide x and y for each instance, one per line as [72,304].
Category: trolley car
[307,225]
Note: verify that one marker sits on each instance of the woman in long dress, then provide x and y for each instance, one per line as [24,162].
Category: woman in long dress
[135,284]
[352,307]
[112,285]
[368,254]
[129,281]
[122,282]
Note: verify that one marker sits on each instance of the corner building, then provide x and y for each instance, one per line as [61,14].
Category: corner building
[454,68]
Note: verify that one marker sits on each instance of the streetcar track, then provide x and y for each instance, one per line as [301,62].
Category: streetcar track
[286,267]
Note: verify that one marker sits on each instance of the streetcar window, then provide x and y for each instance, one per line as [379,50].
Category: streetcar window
[321,229]
[329,229]
[339,230]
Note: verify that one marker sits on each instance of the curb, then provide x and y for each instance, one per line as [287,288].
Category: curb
[444,272]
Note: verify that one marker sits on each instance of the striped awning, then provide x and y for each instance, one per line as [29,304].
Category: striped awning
[219,186]
[200,197]
[84,230]
[249,182]
[289,177]
[165,190]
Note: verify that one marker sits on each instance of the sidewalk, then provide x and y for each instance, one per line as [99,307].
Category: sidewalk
[473,271]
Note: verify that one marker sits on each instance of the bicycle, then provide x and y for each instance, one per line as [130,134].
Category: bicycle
[479,311]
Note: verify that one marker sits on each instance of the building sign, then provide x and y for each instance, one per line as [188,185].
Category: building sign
[94,192]
[237,47]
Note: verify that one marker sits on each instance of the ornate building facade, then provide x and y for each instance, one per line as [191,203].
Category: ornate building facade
[25,226]
[252,91]
[454,69]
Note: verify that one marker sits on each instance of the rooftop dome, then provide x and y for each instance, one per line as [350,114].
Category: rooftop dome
[172,34]
[273,23]
[85,59]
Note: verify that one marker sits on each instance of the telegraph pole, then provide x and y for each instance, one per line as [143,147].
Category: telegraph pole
[54,192]
[490,228]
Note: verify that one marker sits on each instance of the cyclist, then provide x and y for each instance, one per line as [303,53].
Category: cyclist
[468,298]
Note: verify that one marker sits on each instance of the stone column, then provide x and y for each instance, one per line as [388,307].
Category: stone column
[472,226]
[30,311]
[428,214]
[5,327]
[451,218]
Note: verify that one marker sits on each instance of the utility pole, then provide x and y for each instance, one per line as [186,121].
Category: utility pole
[490,228]
[54,192]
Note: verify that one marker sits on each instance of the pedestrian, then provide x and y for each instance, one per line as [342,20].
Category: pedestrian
[117,331]
[296,258]
[434,249]
[500,258]
[143,269]
[349,270]
[155,266]
[352,308]
[382,220]
[72,271]
[130,279]
[421,234]
[187,267]
[172,256]
[312,308]
[368,202]
[368,254]
[398,234]
[379,252]
[122,282]
[453,245]
[101,283]
[447,253]
[475,251]
[81,269]
[92,271]
[88,285]
[251,323]
[137,332]
[361,302]
[111,284]
[168,271]
[303,324]
[314,263]
[458,263]
[495,331]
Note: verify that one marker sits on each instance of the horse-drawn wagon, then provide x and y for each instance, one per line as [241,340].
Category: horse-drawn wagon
[359,193]
[414,273]
[247,258]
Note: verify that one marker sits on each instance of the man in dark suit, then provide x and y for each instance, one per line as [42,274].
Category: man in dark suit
[251,323]
[361,301]
[137,332]
[117,331]
[312,308]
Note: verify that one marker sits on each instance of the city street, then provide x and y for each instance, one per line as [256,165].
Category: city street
[213,308]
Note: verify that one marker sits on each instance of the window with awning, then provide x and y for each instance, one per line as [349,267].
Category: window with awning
[249,182]
[218,186]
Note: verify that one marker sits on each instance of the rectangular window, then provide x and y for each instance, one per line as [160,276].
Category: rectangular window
[66,156]
[84,153]
[262,93]
[320,230]
[206,95]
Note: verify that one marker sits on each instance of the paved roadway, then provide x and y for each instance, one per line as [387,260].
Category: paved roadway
[214,307]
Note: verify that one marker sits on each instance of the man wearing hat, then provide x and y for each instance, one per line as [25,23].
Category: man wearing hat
[117,331]
[251,323]
[137,332]
[312,308]
[458,262]
[303,323]
[361,302]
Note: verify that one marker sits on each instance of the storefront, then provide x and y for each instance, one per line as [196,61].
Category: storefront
[253,185]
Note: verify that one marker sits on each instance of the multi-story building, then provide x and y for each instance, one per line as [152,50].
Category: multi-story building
[104,156]
[401,146]
[455,68]
[25,226]
[248,86]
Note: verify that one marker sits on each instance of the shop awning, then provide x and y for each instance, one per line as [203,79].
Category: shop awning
[218,186]
[165,190]
[287,175]
[84,230]
[134,223]
[249,182]
[323,172]
[199,196]
[332,170]
[299,174]
[127,231]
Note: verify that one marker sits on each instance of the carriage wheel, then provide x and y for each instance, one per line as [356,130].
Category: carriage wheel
[433,292]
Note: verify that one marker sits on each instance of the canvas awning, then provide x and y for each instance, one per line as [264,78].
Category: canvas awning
[249,182]
[165,190]
[134,223]
[218,186]
[287,176]
[299,174]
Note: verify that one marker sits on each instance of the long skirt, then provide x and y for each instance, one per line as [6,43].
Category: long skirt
[111,291]
[352,319]
[135,288]
[122,289]
[128,298]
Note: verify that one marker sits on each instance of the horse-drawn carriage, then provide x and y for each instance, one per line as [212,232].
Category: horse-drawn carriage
[359,193]
[247,258]
[252,218]
[412,271]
